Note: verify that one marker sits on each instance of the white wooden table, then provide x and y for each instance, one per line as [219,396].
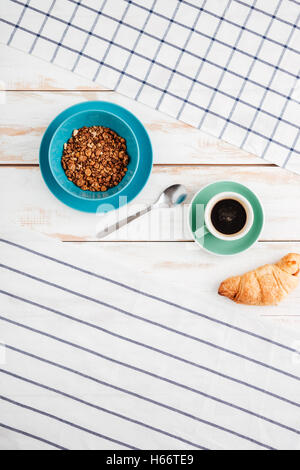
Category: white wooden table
[34,92]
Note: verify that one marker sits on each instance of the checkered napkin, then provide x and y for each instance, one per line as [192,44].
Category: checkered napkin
[96,356]
[229,67]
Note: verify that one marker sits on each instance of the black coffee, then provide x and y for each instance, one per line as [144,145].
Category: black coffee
[229,217]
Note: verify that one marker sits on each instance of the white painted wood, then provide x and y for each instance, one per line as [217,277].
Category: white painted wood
[186,264]
[174,142]
[20,71]
[25,116]
[26,201]
[29,203]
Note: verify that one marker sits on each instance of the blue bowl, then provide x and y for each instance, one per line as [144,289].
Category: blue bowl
[88,114]
[91,118]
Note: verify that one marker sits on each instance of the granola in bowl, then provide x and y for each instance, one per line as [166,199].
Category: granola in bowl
[95,158]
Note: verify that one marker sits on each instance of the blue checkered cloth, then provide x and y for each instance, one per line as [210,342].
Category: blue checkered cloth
[228,67]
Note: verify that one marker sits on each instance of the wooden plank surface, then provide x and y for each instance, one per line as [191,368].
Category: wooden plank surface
[26,115]
[34,92]
[19,71]
[30,204]
[179,263]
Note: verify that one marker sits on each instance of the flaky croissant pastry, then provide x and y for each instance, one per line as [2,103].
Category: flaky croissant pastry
[267,285]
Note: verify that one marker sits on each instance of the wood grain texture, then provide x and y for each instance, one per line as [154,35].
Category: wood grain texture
[30,204]
[179,263]
[26,115]
[20,71]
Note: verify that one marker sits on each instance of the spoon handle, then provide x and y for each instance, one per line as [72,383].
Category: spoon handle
[107,231]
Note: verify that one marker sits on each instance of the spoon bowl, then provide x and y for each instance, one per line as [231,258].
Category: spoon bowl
[172,196]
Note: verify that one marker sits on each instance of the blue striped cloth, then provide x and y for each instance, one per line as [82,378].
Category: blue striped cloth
[229,67]
[94,356]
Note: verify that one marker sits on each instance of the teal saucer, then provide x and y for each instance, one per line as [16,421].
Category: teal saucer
[208,241]
[113,200]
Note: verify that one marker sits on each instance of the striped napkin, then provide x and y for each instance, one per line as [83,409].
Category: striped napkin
[228,67]
[94,356]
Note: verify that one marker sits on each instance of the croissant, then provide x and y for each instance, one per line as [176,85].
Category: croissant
[267,285]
